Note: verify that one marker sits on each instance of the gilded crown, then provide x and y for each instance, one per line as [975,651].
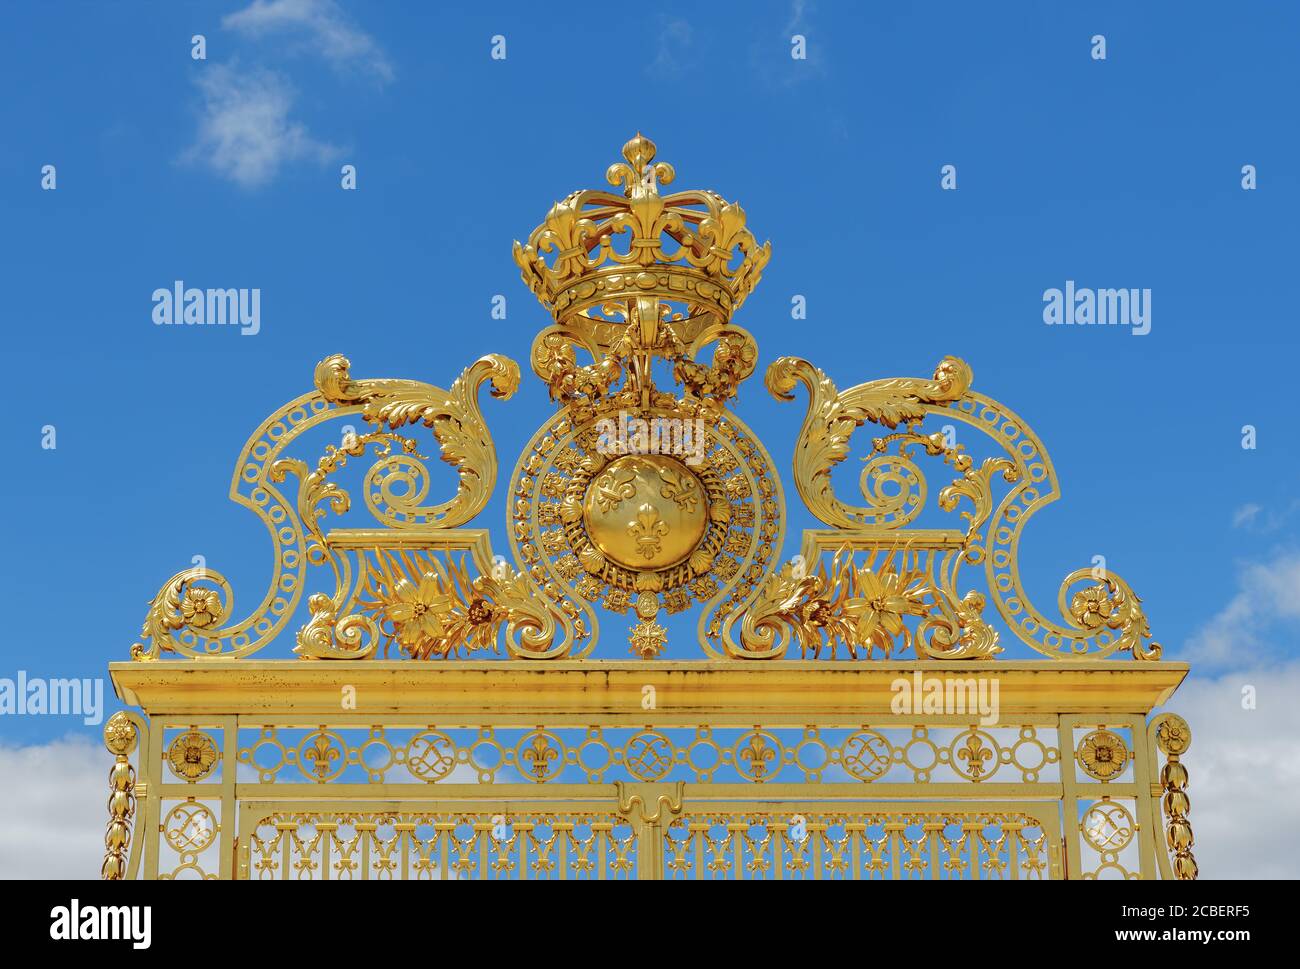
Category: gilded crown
[597,248]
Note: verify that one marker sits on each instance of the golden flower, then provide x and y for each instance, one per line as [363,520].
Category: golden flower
[816,612]
[200,608]
[736,353]
[119,734]
[479,612]
[884,599]
[1092,607]
[474,625]
[1173,736]
[434,609]
[1103,754]
[192,755]
[417,612]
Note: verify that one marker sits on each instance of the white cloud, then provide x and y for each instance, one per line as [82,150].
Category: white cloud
[795,23]
[675,38]
[53,809]
[1256,518]
[1245,515]
[1260,615]
[1244,768]
[323,27]
[771,52]
[245,133]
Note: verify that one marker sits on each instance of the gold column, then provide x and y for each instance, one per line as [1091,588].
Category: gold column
[1173,736]
[120,738]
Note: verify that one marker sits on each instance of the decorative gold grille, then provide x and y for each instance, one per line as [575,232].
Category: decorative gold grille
[454,712]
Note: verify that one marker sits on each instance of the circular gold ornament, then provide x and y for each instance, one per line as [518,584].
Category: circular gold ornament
[1173,736]
[599,521]
[1108,827]
[647,605]
[1102,754]
[189,828]
[119,734]
[192,755]
[645,511]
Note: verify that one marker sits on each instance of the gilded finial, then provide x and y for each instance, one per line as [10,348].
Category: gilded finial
[639,152]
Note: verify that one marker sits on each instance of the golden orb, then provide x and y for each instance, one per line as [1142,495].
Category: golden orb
[645,511]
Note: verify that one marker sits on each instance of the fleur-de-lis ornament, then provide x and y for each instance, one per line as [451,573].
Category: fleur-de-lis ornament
[648,529]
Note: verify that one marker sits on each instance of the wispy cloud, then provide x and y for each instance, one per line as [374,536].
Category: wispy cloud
[321,26]
[795,22]
[1261,614]
[1246,515]
[1256,518]
[770,53]
[245,133]
[675,38]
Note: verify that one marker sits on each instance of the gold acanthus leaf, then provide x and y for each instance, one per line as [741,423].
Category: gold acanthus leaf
[833,416]
[453,415]
[326,636]
[857,605]
[977,485]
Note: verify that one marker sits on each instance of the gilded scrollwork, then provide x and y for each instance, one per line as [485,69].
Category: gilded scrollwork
[1096,622]
[832,418]
[641,284]
[1109,604]
[453,415]
[958,629]
[327,636]
[183,604]
[642,494]
[191,614]
[976,484]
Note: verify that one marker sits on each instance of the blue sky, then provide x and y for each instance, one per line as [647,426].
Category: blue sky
[1124,172]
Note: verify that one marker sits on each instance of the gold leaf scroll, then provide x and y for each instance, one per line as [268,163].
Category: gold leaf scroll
[453,415]
[832,418]
[191,614]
